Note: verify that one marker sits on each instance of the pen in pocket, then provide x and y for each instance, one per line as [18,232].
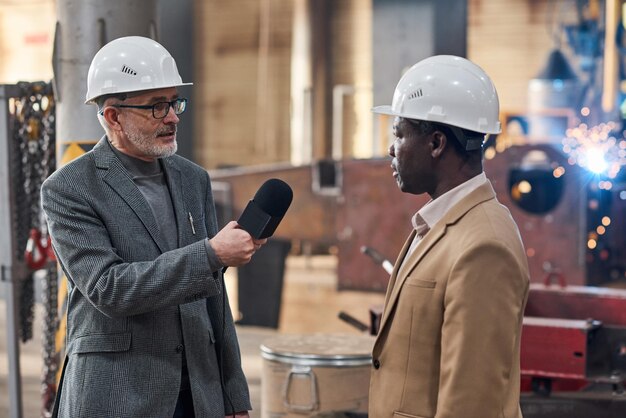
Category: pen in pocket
[193,229]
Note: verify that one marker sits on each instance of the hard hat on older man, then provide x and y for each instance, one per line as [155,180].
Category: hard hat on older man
[130,64]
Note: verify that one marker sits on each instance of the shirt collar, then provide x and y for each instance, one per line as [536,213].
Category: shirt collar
[435,209]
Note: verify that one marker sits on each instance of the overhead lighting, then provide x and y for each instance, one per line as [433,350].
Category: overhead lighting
[557,68]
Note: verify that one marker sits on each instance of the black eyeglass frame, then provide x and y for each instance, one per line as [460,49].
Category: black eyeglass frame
[170,105]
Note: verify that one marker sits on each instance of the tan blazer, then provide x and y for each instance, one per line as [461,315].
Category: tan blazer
[449,341]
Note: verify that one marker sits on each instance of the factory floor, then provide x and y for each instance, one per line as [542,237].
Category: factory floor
[310,304]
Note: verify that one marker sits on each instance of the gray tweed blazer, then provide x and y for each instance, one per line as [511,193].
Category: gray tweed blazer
[132,307]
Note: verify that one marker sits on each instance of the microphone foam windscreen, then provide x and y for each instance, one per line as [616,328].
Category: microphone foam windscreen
[274,197]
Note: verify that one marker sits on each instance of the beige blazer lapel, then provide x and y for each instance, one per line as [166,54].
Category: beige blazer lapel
[396,266]
[401,275]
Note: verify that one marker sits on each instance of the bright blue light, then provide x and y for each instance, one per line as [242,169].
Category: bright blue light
[595,161]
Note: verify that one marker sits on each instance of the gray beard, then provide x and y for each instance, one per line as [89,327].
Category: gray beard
[148,147]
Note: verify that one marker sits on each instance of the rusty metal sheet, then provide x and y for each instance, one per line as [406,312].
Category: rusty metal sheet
[369,209]
[577,302]
[372,212]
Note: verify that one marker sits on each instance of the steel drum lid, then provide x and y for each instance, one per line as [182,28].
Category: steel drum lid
[320,349]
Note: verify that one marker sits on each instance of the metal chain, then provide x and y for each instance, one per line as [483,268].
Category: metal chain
[33,134]
[26,303]
[21,218]
[33,152]
[50,282]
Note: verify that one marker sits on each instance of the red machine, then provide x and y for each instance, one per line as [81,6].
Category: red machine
[574,337]
[573,355]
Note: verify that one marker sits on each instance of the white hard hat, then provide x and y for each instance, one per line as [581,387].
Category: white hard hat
[449,90]
[128,64]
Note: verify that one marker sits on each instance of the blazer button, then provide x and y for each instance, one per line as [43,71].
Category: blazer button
[179,348]
[376,364]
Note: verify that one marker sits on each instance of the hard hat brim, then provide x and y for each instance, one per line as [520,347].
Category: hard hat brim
[92,99]
[384,110]
[387,110]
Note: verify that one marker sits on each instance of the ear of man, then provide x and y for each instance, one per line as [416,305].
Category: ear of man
[438,143]
[110,115]
[454,147]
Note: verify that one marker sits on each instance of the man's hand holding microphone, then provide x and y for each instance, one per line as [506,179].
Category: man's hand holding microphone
[234,246]
[236,243]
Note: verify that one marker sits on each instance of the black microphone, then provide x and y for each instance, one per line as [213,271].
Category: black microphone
[264,212]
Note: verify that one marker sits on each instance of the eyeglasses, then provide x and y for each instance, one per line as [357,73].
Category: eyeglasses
[160,109]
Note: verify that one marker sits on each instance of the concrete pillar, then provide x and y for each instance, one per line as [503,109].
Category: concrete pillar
[83,27]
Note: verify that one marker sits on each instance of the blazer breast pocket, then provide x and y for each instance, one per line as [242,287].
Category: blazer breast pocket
[196,226]
[398,414]
[426,284]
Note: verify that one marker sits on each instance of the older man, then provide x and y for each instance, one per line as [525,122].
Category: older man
[149,329]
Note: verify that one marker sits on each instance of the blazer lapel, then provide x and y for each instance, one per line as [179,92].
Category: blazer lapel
[402,273]
[396,266]
[174,183]
[120,181]
[482,193]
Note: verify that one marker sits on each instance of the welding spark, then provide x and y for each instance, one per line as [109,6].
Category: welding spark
[596,148]
[595,160]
